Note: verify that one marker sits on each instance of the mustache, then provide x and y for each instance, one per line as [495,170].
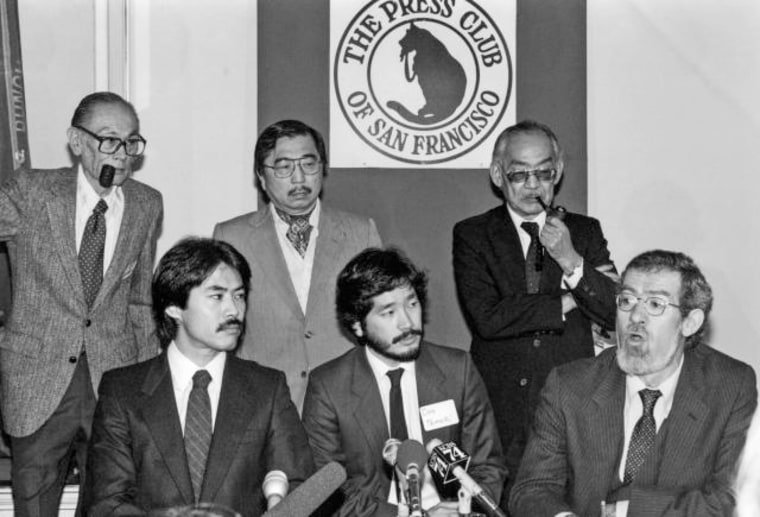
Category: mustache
[299,190]
[230,324]
[406,334]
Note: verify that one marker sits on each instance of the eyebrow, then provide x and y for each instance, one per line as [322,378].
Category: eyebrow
[661,292]
[308,155]
[526,164]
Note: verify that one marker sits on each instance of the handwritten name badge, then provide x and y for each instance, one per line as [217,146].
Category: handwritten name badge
[438,415]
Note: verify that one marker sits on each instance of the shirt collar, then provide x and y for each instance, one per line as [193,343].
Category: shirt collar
[517,220]
[380,366]
[667,387]
[313,217]
[87,198]
[183,369]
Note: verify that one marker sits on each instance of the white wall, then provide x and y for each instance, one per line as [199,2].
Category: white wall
[192,78]
[674,144]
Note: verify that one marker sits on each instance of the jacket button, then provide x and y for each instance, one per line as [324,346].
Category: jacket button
[523,382]
[73,359]
[87,322]
[308,334]
[536,343]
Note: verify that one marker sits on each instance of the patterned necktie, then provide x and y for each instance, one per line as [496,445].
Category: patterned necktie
[643,435]
[398,422]
[91,252]
[533,265]
[299,230]
[198,429]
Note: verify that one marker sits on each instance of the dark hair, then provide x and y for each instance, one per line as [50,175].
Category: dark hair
[528,126]
[186,266]
[86,106]
[695,293]
[286,129]
[373,272]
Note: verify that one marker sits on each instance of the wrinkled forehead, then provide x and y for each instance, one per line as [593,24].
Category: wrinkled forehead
[527,147]
[660,281]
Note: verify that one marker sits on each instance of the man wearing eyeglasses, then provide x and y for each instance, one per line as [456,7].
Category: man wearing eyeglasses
[296,247]
[653,427]
[531,280]
[82,243]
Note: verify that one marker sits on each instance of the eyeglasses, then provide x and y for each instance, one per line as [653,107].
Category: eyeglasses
[544,175]
[134,145]
[284,167]
[654,305]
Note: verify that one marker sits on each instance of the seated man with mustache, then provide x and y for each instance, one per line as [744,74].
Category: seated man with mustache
[395,385]
[195,424]
[652,427]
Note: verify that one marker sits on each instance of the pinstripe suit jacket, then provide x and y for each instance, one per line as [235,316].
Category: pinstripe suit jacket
[278,334]
[49,321]
[573,456]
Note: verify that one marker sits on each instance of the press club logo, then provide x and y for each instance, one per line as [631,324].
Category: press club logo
[422,82]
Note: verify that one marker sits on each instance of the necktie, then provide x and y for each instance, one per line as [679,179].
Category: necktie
[198,429]
[398,423]
[643,435]
[533,262]
[299,230]
[91,252]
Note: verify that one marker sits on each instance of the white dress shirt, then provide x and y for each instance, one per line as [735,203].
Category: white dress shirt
[87,198]
[299,267]
[380,368]
[182,370]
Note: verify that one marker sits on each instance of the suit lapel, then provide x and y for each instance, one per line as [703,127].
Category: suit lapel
[606,421]
[160,414]
[431,389]
[272,260]
[503,237]
[367,405]
[61,208]
[328,242]
[235,413]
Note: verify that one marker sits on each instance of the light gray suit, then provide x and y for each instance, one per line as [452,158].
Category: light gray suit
[278,334]
[50,323]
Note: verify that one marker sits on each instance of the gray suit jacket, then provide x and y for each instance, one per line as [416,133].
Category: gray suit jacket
[344,418]
[573,456]
[50,323]
[278,334]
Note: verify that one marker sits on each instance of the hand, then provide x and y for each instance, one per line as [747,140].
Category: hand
[568,303]
[555,237]
[444,509]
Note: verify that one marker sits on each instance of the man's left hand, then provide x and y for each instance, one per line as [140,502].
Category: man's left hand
[555,237]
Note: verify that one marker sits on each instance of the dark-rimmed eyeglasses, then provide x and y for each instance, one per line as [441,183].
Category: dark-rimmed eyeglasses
[284,167]
[654,305]
[543,175]
[134,145]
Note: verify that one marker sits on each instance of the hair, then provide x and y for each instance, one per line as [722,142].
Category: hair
[285,129]
[695,293]
[86,106]
[371,273]
[529,126]
[186,266]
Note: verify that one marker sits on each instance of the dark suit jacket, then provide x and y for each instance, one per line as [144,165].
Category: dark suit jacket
[278,333]
[574,453]
[517,338]
[137,456]
[344,418]
[50,321]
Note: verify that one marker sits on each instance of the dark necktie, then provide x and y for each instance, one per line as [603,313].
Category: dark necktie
[299,230]
[643,435]
[398,423]
[198,429]
[91,252]
[533,264]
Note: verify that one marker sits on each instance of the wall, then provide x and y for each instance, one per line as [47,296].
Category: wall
[674,132]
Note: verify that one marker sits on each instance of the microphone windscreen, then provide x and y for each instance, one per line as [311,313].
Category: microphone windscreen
[410,452]
[275,486]
[305,499]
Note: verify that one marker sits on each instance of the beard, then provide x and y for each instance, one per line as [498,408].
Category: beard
[385,349]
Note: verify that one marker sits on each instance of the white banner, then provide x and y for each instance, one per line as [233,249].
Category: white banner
[420,83]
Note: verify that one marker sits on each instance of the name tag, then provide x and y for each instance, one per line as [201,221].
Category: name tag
[438,415]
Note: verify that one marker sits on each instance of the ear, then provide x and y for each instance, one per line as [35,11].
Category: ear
[357,328]
[262,181]
[497,178]
[75,141]
[692,322]
[173,312]
[560,170]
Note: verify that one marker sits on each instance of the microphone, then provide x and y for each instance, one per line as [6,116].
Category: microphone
[107,173]
[446,460]
[275,487]
[390,451]
[411,460]
[305,499]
